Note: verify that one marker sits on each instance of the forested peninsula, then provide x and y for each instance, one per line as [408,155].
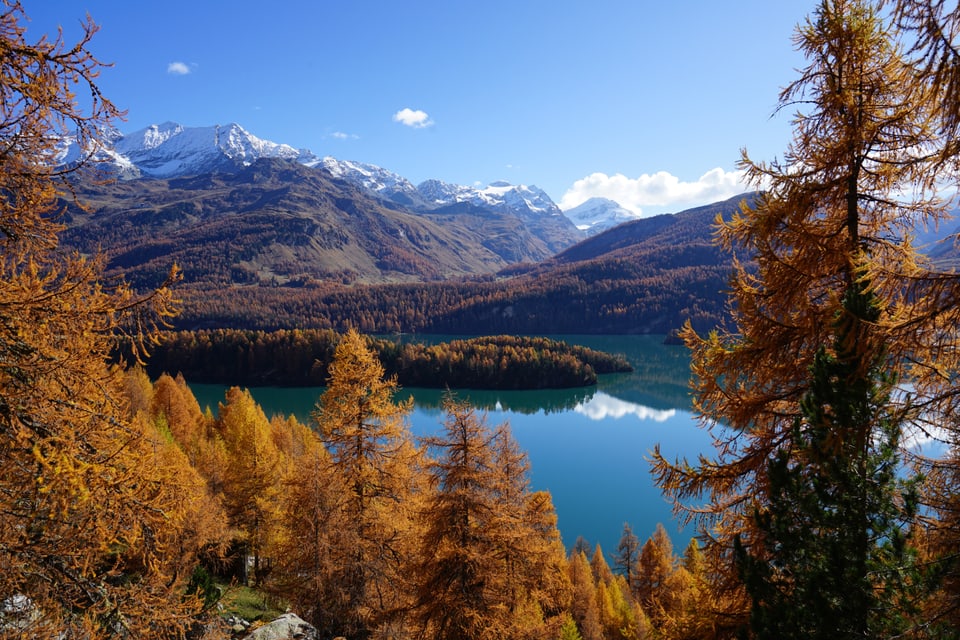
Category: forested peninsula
[301,358]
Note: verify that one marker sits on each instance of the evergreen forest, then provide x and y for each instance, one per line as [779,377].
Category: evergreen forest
[301,358]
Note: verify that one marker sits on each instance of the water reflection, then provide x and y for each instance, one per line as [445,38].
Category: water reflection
[656,387]
[603,405]
[659,379]
[547,401]
[661,373]
[584,444]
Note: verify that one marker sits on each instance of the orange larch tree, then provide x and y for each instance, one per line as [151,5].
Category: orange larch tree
[82,513]
[369,444]
[252,477]
[583,604]
[312,539]
[836,218]
[932,27]
[491,562]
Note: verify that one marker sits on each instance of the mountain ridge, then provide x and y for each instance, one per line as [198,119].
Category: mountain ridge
[171,150]
[274,237]
[671,272]
[278,223]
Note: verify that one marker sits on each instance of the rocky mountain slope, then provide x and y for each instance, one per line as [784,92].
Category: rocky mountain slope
[269,236]
[278,222]
[171,151]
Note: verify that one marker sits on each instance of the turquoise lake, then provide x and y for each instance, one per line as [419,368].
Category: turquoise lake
[588,447]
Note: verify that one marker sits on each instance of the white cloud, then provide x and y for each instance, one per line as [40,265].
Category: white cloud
[417,119]
[662,190]
[340,135]
[178,68]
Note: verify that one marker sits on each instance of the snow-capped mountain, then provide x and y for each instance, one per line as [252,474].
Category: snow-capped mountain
[504,194]
[171,150]
[497,195]
[434,194]
[599,214]
[372,178]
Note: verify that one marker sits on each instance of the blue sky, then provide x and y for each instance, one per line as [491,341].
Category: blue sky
[645,102]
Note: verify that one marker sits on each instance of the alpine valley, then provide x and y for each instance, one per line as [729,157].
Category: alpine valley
[271,237]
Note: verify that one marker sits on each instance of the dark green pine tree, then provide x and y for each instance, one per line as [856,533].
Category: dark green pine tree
[833,559]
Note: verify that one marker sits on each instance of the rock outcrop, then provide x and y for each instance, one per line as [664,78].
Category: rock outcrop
[289,626]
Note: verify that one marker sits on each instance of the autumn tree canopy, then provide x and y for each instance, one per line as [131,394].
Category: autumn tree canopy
[371,449]
[491,562]
[837,216]
[86,514]
[933,28]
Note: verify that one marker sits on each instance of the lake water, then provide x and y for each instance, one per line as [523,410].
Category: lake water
[588,447]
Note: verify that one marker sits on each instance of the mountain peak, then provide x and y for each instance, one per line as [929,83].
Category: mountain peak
[170,150]
[155,135]
[599,214]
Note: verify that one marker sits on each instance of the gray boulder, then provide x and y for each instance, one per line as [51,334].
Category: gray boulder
[289,626]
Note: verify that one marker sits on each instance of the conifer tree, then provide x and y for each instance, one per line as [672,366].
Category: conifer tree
[580,545]
[830,558]
[621,616]
[689,598]
[370,447]
[598,564]
[569,630]
[312,539]
[252,476]
[542,556]
[82,518]
[628,555]
[492,563]
[583,605]
[174,403]
[463,584]
[836,213]
[511,491]
[656,565]
[682,607]
[198,533]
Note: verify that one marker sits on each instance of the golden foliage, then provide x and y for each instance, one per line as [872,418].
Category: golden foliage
[313,538]
[935,315]
[90,524]
[252,476]
[491,558]
[583,604]
[371,451]
[838,211]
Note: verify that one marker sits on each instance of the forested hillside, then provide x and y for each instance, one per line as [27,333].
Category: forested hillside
[648,276]
[277,245]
